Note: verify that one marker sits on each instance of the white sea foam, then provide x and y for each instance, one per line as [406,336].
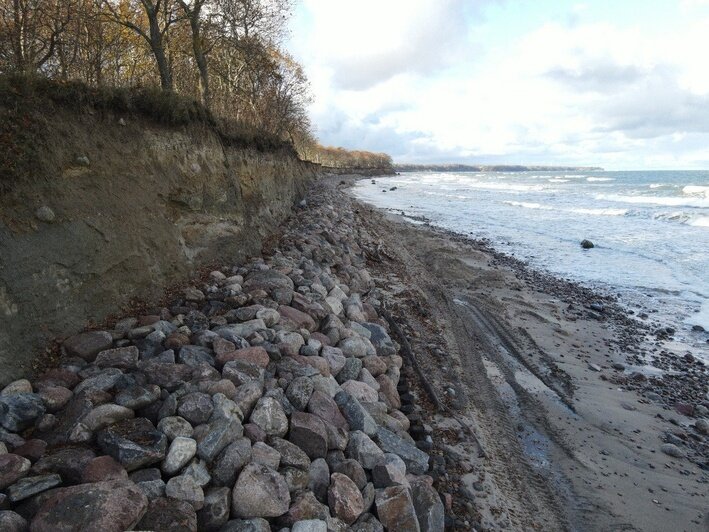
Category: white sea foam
[599,212]
[700,221]
[526,205]
[600,179]
[657,200]
[696,190]
[558,180]
[504,187]
[657,185]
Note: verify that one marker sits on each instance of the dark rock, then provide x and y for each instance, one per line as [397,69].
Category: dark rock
[12,468]
[87,345]
[299,391]
[354,470]
[185,488]
[291,454]
[166,375]
[196,407]
[165,514]
[428,505]
[308,432]
[319,478]
[350,370]
[69,462]
[137,397]
[305,507]
[587,244]
[220,433]
[33,450]
[240,372]
[12,522]
[380,339]
[19,411]
[278,286]
[122,358]
[29,486]
[416,460]
[103,469]
[134,443]
[231,461]
[105,506]
[356,415]
[217,507]
[363,449]
[194,356]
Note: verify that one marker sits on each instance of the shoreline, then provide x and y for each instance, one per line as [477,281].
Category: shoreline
[604,451]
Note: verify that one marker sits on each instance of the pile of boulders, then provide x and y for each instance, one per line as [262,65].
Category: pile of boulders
[268,398]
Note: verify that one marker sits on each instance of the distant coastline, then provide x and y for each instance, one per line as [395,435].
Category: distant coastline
[491,168]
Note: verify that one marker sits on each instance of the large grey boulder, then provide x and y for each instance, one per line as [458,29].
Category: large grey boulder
[260,492]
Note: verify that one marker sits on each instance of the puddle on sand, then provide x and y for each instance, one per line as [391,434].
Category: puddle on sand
[535,445]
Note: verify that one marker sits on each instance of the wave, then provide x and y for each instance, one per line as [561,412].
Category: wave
[700,221]
[687,218]
[527,205]
[657,185]
[657,200]
[696,190]
[592,179]
[599,212]
[557,180]
[592,212]
[504,187]
[574,176]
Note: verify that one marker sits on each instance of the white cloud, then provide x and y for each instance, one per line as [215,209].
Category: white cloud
[407,75]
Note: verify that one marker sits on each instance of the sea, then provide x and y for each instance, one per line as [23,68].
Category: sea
[650,229]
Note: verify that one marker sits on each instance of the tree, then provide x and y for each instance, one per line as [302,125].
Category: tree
[193,12]
[161,15]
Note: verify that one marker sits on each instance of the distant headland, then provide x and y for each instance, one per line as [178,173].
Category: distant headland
[451,167]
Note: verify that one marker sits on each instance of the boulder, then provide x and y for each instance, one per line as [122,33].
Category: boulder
[360,391]
[103,469]
[277,285]
[309,432]
[185,488]
[253,355]
[169,514]
[231,461]
[216,510]
[134,443]
[121,357]
[344,498]
[390,470]
[270,416]
[396,509]
[356,415]
[12,468]
[363,449]
[415,459]
[19,411]
[219,434]
[430,511]
[260,492]
[101,506]
[295,319]
[87,345]
[181,451]
[299,391]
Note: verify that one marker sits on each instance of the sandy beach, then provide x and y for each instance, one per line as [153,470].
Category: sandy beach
[543,421]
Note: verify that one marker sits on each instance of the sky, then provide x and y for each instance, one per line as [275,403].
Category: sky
[622,84]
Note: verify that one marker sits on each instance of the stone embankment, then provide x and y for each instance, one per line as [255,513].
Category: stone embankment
[270,397]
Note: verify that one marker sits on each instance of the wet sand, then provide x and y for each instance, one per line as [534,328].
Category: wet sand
[546,424]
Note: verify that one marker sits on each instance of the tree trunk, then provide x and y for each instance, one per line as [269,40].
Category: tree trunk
[200,58]
[158,49]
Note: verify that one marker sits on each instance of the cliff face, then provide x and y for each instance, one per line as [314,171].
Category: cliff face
[120,208]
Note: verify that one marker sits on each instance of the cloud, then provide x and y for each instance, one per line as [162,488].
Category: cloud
[576,86]
[369,41]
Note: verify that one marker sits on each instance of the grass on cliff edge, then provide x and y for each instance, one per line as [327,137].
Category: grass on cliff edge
[25,99]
